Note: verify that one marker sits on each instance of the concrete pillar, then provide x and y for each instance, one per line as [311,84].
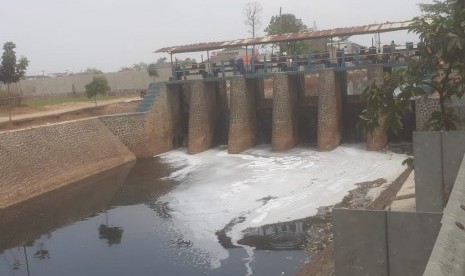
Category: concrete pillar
[284,120]
[329,112]
[424,108]
[202,116]
[379,138]
[163,120]
[243,118]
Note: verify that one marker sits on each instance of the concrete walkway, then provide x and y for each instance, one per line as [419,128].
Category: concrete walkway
[405,198]
[25,117]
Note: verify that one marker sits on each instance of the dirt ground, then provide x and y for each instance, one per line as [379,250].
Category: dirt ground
[79,110]
[320,245]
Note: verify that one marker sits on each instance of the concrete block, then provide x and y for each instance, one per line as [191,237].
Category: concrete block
[448,253]
[411,238]
[360,242]
[428,171]
[453,149]
[404,205]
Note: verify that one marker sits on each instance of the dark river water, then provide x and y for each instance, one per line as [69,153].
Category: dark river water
[113,224]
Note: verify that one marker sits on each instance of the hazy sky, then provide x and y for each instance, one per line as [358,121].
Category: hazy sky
[60,35]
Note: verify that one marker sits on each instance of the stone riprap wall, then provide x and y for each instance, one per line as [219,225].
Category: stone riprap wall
[329,112]
[379,138]
[424,107]
[133,130]
[164,120]
[284,119]
[67,85]
[243,117]
[202,116]
[34,161]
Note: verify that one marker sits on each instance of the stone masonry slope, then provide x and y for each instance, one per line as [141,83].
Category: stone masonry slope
[38,160]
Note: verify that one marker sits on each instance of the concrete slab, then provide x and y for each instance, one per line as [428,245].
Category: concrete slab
[453,149]
[428,171]
[448,254]
[408,187]
[360,242]
[411,238]
[404,205]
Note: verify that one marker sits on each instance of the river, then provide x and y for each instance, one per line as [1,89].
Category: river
[179,214]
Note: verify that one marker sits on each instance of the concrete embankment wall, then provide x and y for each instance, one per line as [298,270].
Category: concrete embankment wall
[38,160]
[66,85]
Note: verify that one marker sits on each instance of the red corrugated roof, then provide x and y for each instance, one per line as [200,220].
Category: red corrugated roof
[339,32]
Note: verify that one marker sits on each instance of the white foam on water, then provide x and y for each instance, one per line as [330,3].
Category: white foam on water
[218,187]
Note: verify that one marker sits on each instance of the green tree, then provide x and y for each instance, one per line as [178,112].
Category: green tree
[441,66]
[98,85]
[152,69]
[288,23]
[162,60]
[11,71]
[92,71]
[439,69]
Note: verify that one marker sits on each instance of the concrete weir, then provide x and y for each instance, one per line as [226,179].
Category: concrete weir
[242,111]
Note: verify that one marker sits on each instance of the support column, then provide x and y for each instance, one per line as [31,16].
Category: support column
[242,123]
[379,138]
[202,116]
[329,112]
[163,120]
[284,120]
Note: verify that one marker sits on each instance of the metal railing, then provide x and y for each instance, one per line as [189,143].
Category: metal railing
[387,54]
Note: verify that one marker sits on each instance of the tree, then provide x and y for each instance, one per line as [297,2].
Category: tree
[98,85]
[439,69]
[92,71]
[152,69]
[288,23]
[12,71]
[162,60]
[252,12]
[441,66]
[140,66]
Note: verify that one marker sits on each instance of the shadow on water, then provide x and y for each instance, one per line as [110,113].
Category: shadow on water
[129,184]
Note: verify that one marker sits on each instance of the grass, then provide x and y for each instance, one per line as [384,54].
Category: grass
[38,102]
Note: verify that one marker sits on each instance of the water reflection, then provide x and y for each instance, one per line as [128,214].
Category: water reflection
[29,220]
[112,224]
[290,235]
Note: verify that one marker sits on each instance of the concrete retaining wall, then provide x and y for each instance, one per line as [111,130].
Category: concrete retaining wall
[438,157]
[41,159]
[118,81]
[448,256]
[383,242]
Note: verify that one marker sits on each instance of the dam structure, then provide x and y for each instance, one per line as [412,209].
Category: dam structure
[282,109]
